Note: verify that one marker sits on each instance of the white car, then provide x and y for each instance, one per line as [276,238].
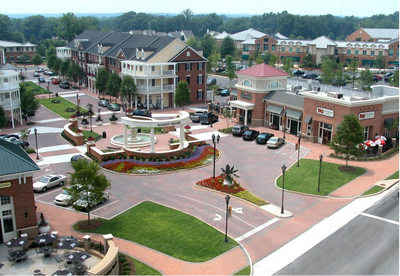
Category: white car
[82,203]
[275,142]
[63,199]
[49,181]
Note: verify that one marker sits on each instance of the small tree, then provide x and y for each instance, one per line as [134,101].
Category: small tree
[29,103]
[380,62]
[87,183]
[228,173]
[24,134]
[273,60]
[349,134]
[3,118]
[366,79]
[113,85]
[37,60]
[128,88]
[395,79]
[101,80]
[227,115]
[230,70]
[328,73]
[287,65]
[182,94]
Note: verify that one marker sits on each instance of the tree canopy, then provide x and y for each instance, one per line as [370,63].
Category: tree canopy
[182,94]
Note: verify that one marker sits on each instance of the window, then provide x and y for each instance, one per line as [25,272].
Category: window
[356,52]
[290,49]
[273,48]
[308,129]
[366,131]
[188,54]
[140,68]
[18,49]
[188,80]
[349,52]
[11,49]
[380,53]
[364,52]
[298,50]
[386,132]
[258,46]
[265,47]
[336,51]
[27,49]
[282,49]
[8,225]
[247,83]
[266,40]
[200,79]
[5,200]
[307,50]
[153,82]
[6,213]
[199,66]
[245,48]
[188,66]
[372,53]
[199,94]
[391,53]
[274,84]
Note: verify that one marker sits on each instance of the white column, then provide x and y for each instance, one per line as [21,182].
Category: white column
[148,101]
[152,140]
[181,136]
[162,100]
[245,117]
[125,137]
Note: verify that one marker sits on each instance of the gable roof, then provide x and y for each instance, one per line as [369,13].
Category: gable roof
[87,39]
[196,56]
[287,99]
[322,42]
[382,33]
[262,70]
[247,34]
[18,161]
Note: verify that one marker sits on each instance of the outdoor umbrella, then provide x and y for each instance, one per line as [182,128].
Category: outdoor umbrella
[16,242]
[78,256]
[68,244]
[45,238]
[369,143]
[64,272]
[1,265]
[362,146]
[380,142]
[380,137]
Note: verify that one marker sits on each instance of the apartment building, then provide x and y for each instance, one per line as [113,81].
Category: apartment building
[10,51]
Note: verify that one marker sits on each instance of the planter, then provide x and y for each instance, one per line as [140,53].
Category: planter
[73,120]
[227,183]
[99,123]
[44,229]
[113,122]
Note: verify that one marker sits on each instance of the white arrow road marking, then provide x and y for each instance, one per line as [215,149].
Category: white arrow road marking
[238,210]
[217,217]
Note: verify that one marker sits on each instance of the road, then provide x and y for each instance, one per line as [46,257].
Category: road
[372,236]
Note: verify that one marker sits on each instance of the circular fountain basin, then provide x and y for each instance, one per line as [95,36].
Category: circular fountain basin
[142,140]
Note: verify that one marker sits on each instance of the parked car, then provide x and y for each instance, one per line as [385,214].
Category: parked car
[275,142]
[220,69]
[83,203]
[375,79]
[23,144]
[377,76]
[141,112]
[238,130]
[77,157]
[36,74]
[298,73]
[63,199]
[65,84]
[4,136]
[208,118]
[211,81]
[225,92]
[40,69]
[49,181]
[250,134]
[263,138]
[55,81]
[103,103]
[195,117]
[114,107]
[41,79]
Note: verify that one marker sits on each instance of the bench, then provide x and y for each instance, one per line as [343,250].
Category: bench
[112,148]
[171,140]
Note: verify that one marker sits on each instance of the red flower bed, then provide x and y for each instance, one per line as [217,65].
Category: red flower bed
[217,184]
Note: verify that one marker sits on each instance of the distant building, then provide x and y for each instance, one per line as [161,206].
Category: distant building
[10,93]
[373,34]
[10,51]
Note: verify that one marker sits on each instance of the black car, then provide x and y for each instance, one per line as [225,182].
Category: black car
[64,84]
[23,144]
[220,69]
[77,157]
[238,130]
[141,112]
[41,79]
[263,137]
[114,107]
[298,73]
[250,135]
[212,81]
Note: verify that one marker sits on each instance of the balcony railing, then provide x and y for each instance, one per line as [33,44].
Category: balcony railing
[137,73]
[158,88]
[7,104]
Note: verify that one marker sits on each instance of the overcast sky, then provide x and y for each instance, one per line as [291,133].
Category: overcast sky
[359,8]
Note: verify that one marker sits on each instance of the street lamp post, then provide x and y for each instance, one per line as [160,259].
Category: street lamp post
[48,87]
[284,125]
[298,154]
[90,106]
[320,165]
[283,185]
[215,143]
[37,152]
[77,104]
[227,211]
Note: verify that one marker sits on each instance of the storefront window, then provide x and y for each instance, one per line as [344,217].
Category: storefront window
[8,225]
[5,200]
[366,132]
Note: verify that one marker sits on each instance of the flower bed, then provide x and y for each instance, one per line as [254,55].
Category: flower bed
[196,156]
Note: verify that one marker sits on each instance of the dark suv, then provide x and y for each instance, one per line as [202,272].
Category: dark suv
[65,84]
[141,112]
[238,130]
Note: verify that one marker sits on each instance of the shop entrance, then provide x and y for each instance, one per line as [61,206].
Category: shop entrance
[275,119]
[293,127]
[324,133]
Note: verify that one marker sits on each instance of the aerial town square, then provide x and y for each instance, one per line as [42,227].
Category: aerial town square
[199,143]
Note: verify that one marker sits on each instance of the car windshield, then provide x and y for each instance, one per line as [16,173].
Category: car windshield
[65,192]
[44,180]
[272,139]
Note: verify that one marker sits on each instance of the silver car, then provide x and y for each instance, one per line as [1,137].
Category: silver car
[49,181]
[275,142]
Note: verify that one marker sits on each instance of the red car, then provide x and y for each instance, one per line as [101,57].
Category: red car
[55,81]
[377,76]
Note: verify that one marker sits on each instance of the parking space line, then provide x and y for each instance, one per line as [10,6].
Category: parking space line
[202,202]
[259,228]
[380,218]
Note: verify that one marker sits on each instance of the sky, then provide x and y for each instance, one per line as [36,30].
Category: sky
[358,8]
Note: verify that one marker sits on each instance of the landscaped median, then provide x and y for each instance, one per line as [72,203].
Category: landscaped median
[304,179]
[61,106]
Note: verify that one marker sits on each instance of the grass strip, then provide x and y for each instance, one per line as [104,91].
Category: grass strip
[374,190]
[59,108]
[394,176]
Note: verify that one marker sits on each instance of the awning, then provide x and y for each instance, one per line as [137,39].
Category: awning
[308,120]
[274,109]
[233,92]
[388,122]
[242,105]
[293,114]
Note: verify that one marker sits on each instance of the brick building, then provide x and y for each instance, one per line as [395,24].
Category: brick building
[10,51]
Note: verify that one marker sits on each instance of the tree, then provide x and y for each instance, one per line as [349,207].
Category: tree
[75,72]
[353,70]
[24,59]
[3,117]
[213,59]
[128,89]
[287,64]
[5,24]
[273,60]
[380,62]
[37,60]
[51,59]
[366,79]
[209,44]
[101,80]
[395,79]
[227,114]
[182,94]
[114,85]
[349,134]
[227,47]
[229,172]
[193,42]
[327,72]
[29,103]
[69,27]
[87,183]
[64,68]
[230,69]
[251,61]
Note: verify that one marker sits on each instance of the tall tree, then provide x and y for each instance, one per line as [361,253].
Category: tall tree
[273,60]
[37,60]
[69,27]
[75,72]
[380,62]
[87,183]
[32,26]
[29,103]
[395,80]
[5,24]
[353,70]
[287,64]
[64,68]
[366,80]
[3,117]
[208,43]
[349,134]
[101,80]
[230,68]
[327,72]
[227,47]
[182,94]
[128,89]
[114,85]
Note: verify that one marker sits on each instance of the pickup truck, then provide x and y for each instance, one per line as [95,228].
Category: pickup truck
[195,117]
[208,118]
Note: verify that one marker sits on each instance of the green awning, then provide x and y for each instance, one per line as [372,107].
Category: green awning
[233,92]
[274,109]
[394,62]
[293,114]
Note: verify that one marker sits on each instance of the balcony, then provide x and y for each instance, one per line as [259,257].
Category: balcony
[147,74]
[7,104]
[155,89]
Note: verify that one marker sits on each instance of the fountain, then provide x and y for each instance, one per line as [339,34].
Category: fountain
[135,139]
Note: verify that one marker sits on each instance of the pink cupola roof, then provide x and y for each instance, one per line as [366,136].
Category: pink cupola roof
[262,70]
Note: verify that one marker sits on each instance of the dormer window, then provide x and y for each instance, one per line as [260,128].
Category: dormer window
[188,54]
[247,83]
[143,54]
[137,53]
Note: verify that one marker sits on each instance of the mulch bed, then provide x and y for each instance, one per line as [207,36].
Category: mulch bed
[346,169]
[94,223]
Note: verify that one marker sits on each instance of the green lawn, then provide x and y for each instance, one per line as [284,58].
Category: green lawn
[60,108]
[304,179]
[36,89]
[169,231]
[244,271]
[394,176]
[142,269]
[374,190]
